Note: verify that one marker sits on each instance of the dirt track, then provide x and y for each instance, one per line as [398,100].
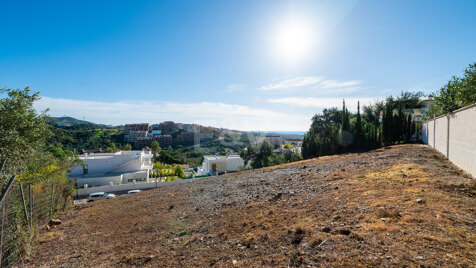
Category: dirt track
[348,210]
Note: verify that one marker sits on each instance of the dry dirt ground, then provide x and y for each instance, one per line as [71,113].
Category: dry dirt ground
[400,206]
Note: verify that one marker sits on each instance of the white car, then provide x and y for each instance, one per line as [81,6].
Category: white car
[134,191]
[99,196]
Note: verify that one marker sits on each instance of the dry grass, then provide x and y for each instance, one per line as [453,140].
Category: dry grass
[48,236]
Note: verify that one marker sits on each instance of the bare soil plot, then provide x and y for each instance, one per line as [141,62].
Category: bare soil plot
[397,206]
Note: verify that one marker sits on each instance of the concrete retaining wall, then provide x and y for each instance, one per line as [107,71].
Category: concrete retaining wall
[454,135]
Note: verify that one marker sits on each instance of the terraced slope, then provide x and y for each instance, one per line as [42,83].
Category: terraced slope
[398,206]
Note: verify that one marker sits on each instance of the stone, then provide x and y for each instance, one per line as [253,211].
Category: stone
[419,201]
[326,229]
[54,222]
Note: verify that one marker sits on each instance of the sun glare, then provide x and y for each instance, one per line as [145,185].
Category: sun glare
[294,41]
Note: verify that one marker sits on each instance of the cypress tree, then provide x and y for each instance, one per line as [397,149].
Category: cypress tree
[409,127]
[358,129]
[345,118]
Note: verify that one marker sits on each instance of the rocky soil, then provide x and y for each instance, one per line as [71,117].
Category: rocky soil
[397,206]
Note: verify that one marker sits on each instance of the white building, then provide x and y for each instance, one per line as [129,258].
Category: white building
[275,140]
[106,168]
[219,164]
[296,142]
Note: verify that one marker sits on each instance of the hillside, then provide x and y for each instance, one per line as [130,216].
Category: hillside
[67,120]
[397,206]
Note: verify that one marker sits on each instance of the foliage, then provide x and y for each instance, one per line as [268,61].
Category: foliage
[321,139]
[111,149]
[247,155]
[23,131]
[167,170]
[86,136]
[262,158]
[170,156]
[155,146]
[178,170]
[456,93]
[262,155]
[291,155]
[127,147]
[335,131]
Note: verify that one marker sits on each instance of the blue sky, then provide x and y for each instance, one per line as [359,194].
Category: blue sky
[248,65]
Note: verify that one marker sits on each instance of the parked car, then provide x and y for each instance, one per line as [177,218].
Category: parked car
[99,196]
[134,191]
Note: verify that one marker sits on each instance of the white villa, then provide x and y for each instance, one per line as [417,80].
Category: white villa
[219,164]
[113,168]
[275,140]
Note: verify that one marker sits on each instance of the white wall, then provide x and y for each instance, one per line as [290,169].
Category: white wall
[441,135]
[99,180]
[424,133]
[230,163]
[454,135]
[134,176]
[130,186]
[431,133]
[233,163]
[462,142]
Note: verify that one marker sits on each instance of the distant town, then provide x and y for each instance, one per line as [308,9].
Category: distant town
[145,143]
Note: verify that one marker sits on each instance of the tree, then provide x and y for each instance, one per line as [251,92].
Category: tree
[455,94]
[409,128]
[247,154]
[245,139]
[408,100]
[387,124]
[358,129]
[155,146]
[291,156]
[446,100]
[345,138]
[262,155]
[467,92]
[322,135]
[178,170]
[345,118]
[23,131]
[127,147]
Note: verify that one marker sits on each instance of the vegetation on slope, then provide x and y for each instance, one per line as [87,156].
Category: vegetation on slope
[335,131]
[26,156]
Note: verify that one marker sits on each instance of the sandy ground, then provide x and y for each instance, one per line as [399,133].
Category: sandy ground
[397,206]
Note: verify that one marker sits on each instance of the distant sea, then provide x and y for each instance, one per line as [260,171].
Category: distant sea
[284,132]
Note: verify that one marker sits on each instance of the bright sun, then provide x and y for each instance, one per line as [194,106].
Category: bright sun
[293,41]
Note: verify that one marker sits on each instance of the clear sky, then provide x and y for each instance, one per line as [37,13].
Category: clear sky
[248,65]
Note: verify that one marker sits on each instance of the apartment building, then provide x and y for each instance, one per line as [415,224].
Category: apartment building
[134,131]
